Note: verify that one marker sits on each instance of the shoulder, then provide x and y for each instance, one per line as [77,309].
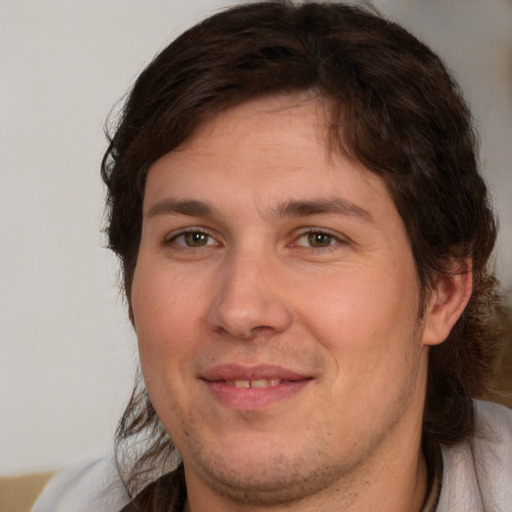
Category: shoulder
[478,471]
[91,486]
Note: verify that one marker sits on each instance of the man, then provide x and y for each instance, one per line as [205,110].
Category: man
[294,197]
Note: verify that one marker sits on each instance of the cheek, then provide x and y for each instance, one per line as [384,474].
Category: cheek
[164,339]
[162,320]
[372,336]
[368,325]
[164,305]
[362,306]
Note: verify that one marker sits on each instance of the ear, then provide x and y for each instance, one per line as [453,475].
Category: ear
[449,297]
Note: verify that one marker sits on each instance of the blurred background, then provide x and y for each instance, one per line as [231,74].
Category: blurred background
[67,352]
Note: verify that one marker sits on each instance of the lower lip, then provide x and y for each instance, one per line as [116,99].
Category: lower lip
[254,398]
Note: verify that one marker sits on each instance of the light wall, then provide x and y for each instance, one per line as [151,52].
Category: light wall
[67,352]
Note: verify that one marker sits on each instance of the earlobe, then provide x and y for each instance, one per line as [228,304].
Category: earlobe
[449,297]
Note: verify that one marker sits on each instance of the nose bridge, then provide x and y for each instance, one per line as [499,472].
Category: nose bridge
[249,298]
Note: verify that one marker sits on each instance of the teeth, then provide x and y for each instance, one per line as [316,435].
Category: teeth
[264,383]
[256,383]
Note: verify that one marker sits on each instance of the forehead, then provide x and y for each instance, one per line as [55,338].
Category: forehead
[278,145]
[254,128]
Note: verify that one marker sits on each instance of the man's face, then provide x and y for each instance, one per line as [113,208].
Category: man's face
[275,301]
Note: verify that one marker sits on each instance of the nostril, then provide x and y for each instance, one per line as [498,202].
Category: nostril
[246,323]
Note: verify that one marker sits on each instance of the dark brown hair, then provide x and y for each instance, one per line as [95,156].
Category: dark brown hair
[394,108]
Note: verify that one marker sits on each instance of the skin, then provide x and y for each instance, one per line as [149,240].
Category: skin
[330,293]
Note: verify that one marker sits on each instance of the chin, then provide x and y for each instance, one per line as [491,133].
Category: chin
[265,478]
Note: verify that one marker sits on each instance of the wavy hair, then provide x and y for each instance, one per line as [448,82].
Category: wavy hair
[394,108]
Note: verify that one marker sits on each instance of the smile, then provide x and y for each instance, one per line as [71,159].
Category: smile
[255,383]
[253,387]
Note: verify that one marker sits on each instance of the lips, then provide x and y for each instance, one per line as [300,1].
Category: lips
[253,387]
[237,372]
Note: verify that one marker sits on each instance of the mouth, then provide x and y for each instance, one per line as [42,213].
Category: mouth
[255,383]
[253,387]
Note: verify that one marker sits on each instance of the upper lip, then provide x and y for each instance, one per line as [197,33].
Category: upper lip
[230,372]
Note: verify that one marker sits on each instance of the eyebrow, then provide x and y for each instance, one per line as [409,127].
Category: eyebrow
[290,208]
[190,207]
[298,208]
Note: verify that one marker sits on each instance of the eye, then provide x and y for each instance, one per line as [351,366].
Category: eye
[193,239]
[317,240]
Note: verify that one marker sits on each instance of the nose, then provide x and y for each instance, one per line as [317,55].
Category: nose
[248,302]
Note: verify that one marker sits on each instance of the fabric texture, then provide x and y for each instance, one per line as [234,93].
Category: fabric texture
[91,487]
[477,474]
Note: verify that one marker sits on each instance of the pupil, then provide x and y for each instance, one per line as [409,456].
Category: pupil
[319,239]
